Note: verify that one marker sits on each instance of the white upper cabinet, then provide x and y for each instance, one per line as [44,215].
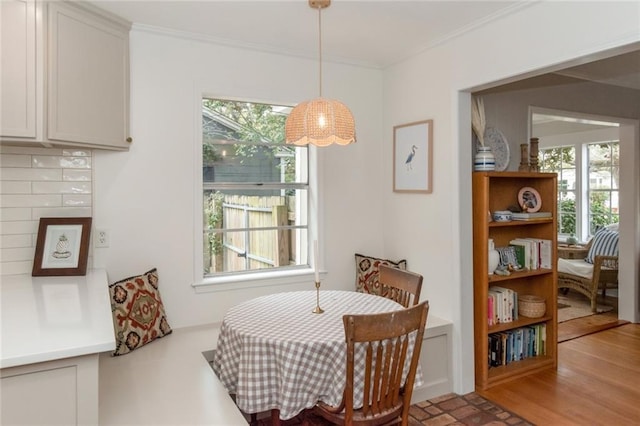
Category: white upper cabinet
[66,75]
[18,110]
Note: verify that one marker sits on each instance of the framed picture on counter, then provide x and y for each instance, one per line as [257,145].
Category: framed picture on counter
[62,247]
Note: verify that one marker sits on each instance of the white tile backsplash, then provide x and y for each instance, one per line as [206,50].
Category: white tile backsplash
[21,254]
[18,227]
[15,187]
[15,213]
[61,187]
[15,160]
[37,213]
[30,174]
[13,241]
[76,175]
[48,162]
[34,183]
[20,200]
[76,200]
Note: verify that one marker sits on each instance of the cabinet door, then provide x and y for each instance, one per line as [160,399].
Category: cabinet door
[18,69]
[88,78]
[39,398]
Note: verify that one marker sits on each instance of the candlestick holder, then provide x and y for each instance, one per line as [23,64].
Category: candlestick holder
[318,309]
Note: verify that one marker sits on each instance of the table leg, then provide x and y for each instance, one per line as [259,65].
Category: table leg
[275,417]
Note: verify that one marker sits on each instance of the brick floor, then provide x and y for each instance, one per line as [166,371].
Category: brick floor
[446,410]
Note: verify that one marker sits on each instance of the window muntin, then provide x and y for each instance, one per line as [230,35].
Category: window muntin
[255,190]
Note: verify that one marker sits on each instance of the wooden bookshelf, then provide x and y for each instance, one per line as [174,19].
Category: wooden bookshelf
[497,191]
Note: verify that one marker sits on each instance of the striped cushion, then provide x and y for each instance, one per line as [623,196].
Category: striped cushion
[605,243]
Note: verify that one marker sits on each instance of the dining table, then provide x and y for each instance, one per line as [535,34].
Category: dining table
[274,353]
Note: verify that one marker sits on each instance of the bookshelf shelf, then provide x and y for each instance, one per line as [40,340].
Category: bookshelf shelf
[527,222]
[516,275]
[520,322]
[519,369]
[497,191]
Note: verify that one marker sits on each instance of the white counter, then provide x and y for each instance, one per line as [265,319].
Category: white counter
[49,318]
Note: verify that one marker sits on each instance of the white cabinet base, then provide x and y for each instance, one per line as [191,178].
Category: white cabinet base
[435,360]
[61,392]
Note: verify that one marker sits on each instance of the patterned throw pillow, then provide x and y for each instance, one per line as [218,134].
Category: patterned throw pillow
[605,243]
[138,313]
[368,271]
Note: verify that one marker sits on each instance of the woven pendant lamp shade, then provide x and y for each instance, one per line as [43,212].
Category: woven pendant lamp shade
[320,122]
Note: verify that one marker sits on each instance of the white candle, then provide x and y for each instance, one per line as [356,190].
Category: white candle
[316,266]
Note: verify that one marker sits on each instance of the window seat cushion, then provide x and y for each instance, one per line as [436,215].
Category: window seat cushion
[575,267]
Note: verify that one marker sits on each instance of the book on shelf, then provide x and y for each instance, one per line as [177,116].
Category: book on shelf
[517,344]
[502,305]
[530,216]
[536,252]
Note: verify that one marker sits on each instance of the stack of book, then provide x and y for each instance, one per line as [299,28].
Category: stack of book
[533,253]
[517,344]
[502,305]
[530,216]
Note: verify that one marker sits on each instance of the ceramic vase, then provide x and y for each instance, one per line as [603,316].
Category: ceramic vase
[494,257]
[484,159]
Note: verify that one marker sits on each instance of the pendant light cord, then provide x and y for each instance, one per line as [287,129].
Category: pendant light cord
[320,47]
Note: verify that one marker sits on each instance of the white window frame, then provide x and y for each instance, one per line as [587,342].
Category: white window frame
[250,279]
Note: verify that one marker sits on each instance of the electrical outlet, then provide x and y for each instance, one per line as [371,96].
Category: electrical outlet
[101,238]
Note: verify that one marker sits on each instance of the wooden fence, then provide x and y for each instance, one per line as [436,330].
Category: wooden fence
[252,250]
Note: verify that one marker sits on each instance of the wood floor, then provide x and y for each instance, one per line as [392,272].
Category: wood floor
[597,383]
[592,324]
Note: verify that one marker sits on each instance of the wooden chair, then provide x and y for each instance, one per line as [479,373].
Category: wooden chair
[382,345]
[588,279]
[400,285]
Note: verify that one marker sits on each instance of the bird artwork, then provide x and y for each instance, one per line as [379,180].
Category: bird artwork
[410,157]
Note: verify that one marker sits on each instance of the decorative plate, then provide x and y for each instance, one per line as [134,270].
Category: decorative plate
[529,198]
[494,139]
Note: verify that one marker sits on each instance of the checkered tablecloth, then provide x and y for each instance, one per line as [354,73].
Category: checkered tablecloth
[273,352]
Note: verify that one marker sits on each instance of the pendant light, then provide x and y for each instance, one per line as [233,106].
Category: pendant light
[320,121]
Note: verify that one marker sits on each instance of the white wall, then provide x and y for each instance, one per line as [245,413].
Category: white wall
[435,230]
[146,198]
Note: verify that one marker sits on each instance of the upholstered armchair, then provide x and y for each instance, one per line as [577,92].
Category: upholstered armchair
[598,270]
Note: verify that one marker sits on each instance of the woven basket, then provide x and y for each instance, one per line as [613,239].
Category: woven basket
[531,306]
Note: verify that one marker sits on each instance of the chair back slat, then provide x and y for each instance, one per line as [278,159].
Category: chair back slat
[400,285]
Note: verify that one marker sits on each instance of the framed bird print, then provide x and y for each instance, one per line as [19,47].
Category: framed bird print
[412,157]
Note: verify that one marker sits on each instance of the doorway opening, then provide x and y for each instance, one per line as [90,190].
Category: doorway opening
[584,150]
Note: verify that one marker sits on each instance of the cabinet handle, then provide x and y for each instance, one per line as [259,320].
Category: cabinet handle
[129,139]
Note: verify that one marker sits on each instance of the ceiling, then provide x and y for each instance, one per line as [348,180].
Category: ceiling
[372,33]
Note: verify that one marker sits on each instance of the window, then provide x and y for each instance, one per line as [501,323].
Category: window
[562,160]
[255,190]
[588,190]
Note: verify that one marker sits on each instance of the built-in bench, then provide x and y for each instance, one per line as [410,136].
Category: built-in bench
[167,382]
[170,380]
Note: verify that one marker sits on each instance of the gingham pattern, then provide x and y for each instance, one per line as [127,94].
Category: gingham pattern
[273,352]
